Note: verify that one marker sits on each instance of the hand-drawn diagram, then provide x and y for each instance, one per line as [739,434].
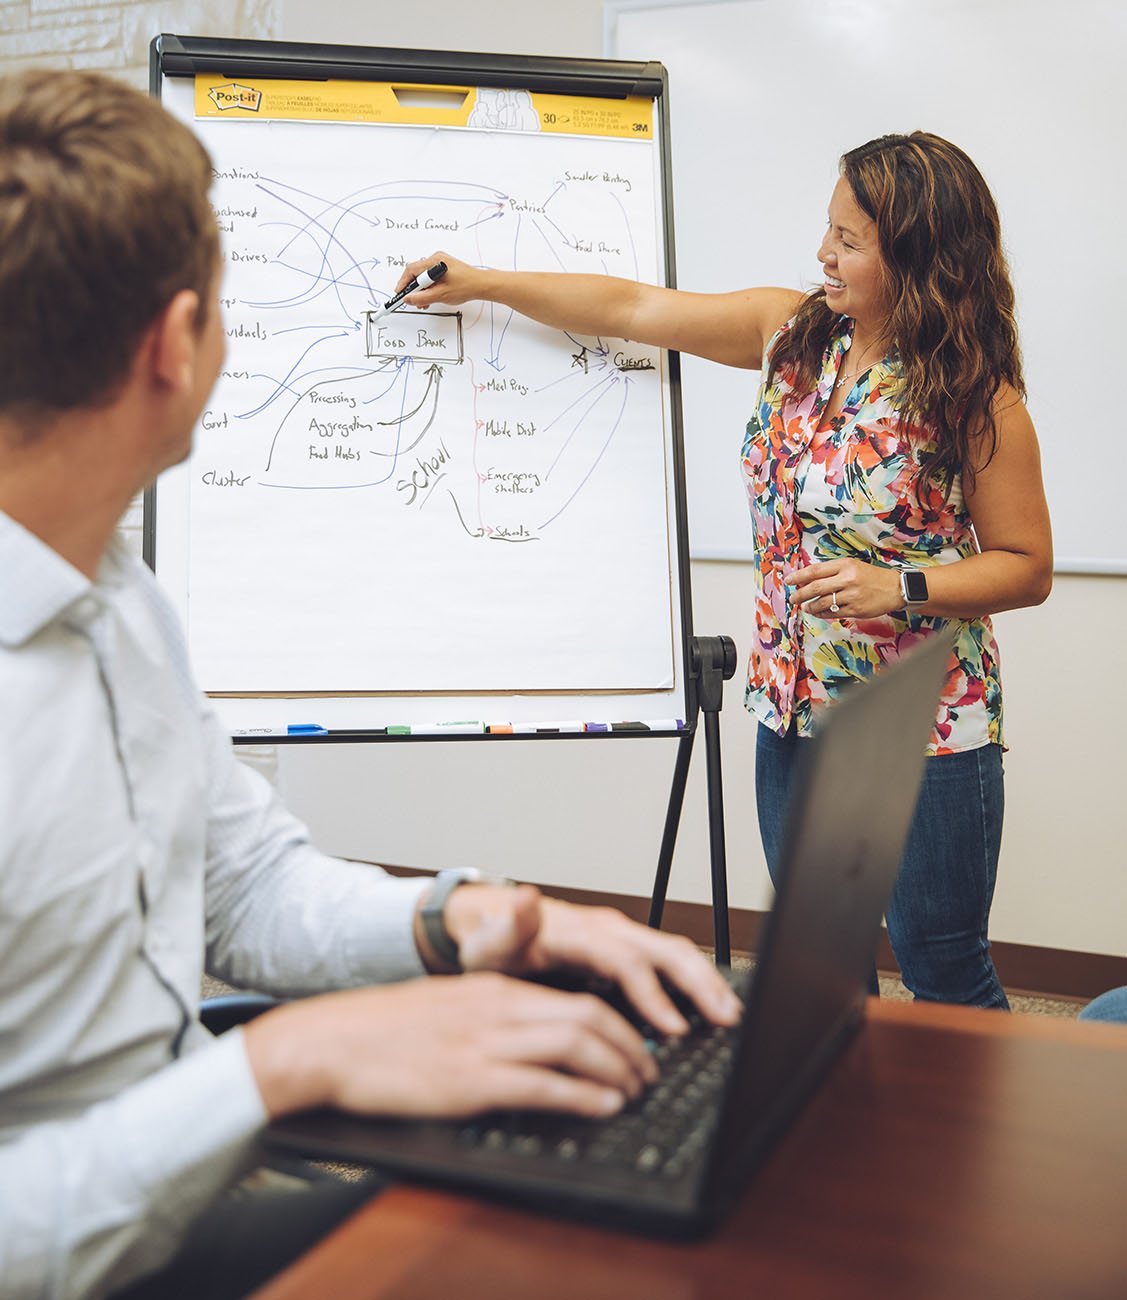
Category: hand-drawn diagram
[432,435]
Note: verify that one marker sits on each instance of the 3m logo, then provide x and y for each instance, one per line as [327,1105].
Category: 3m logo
[235,96]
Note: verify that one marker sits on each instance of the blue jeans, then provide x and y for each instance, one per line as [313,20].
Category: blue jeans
[940,907]
[1111,1005]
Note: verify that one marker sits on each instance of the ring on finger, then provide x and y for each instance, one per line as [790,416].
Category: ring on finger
[833,603]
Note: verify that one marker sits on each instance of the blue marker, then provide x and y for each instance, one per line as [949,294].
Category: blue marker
[422,281]
[305,729]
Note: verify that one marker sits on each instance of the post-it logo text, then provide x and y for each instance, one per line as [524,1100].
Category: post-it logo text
[233,95]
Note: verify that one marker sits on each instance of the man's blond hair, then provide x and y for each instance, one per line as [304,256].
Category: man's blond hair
[104,217]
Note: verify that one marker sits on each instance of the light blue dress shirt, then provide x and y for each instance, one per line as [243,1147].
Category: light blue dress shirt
[134,851]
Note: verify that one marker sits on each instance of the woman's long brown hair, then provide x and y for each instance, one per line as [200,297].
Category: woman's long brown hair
[951,321]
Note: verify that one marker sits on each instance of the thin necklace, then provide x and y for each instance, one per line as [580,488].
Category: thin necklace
[852,374]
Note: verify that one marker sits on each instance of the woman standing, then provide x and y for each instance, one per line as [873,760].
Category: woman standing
[894,480]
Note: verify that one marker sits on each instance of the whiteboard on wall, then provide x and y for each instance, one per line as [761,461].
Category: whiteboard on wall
[430,519]
[765,95]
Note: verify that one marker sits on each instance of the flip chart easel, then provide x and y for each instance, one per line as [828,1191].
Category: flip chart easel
[456,523]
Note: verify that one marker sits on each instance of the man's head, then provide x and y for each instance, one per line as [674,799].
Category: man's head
[104,218]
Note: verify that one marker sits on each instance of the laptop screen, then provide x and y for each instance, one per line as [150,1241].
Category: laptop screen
[851,806]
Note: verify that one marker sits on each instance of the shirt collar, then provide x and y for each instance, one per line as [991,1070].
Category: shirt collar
[36,583]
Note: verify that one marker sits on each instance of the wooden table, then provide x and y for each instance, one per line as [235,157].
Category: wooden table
[950,1153]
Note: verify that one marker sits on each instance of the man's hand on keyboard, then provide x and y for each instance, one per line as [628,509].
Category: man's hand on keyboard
[521,932]
[454,1046]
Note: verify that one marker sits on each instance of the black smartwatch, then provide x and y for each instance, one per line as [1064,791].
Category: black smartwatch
[913,586]
[432,912]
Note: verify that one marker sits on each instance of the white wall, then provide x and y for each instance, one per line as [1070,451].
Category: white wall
[571,29]
[589,814]
[967,90]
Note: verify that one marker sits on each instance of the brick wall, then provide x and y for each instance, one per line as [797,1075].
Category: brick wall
[115,37]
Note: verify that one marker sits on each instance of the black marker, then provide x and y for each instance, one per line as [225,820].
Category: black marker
[422,281]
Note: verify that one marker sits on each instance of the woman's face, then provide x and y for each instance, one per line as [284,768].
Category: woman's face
[850,257]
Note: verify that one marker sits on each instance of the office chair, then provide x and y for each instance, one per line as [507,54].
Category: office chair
[226,1010]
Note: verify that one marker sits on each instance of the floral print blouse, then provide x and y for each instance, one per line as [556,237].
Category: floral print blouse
[850,490]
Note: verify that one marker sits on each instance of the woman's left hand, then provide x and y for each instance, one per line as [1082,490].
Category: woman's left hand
[845,589]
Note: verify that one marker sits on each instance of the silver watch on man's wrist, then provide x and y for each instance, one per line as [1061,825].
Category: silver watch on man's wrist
[432,911]
[913,586]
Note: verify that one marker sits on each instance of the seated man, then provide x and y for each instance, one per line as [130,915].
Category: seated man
[135,851]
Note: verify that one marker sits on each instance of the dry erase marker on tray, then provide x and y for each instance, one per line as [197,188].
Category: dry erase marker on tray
[546,728]
[422,281]
[662,724]
[448,729]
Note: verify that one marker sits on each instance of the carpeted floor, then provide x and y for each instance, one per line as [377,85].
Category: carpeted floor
[1030,1004]
[1026,1004]
[1021,1002]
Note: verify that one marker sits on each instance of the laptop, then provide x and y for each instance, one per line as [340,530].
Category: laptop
[675,1159]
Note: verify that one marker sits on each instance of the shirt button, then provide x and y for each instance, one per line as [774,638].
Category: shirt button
[87,609]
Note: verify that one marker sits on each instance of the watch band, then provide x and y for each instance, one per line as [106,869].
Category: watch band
[434,921]
[432,913]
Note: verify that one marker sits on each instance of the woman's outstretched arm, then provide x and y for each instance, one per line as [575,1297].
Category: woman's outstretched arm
[730,328]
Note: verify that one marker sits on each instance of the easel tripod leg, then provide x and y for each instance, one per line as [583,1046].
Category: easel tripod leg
[712,661]
[718,854]
[669,835]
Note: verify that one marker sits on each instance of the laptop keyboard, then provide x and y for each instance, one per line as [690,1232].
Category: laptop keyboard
[659,1134]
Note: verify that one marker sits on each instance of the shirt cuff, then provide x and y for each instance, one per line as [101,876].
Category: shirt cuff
[381,946]
[218,1113]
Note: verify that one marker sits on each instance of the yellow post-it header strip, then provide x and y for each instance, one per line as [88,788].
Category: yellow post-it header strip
[423,105]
